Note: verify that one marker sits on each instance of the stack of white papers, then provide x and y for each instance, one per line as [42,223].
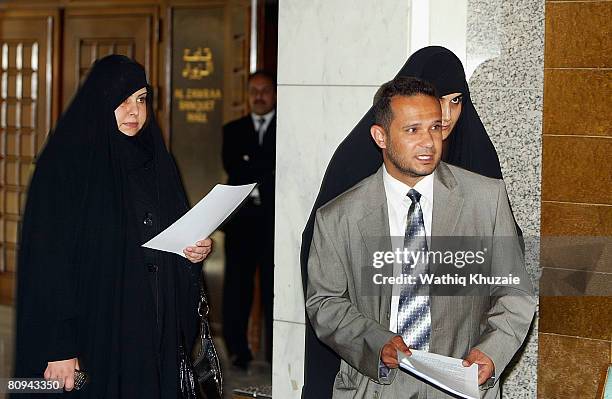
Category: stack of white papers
[201,220]
[445,372]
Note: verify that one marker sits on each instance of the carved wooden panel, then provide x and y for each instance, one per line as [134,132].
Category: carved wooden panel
[90,50]
[26,65]
[93,33]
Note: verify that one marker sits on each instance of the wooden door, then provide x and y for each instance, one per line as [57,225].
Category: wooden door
[92,33]
[28,42]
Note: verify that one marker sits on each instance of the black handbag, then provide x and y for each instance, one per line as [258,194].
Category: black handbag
[201,379]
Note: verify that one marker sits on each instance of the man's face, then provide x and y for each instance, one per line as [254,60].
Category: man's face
[413,145]
[262,95]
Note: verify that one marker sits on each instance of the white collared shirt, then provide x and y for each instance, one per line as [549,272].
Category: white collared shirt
[262,128]
[398,204]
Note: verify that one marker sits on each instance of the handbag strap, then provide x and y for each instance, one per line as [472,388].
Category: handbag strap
[203,310]
[203,307]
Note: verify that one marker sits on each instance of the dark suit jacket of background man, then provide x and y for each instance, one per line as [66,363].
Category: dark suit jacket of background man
[246,162]
[250,231]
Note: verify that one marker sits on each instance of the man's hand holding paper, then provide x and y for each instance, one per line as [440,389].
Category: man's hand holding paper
[388,354]
[484,362]
[445,372]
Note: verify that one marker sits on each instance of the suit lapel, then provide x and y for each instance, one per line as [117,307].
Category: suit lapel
[254,135]
[269,139]
[375,233]
[374,226]
[447,202]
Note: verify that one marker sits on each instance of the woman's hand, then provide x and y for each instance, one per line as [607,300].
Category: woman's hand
[200,251]
[62,370]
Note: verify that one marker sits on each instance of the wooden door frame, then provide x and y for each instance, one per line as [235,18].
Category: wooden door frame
[51,100]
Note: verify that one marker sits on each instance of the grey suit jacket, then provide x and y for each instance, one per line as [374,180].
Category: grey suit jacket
[355,323]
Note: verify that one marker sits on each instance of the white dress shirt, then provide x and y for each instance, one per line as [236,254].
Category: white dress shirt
[261,128]
[398,204]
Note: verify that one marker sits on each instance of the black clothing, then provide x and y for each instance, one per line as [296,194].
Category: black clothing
[245,161]
[86,288]
[243,253]
[469,144]
[358,157]
[249,233]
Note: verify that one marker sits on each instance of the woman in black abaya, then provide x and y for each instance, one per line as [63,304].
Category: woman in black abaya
[466,144]
[89,296]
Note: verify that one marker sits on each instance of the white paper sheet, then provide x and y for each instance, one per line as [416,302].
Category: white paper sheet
[201,220]
[442,371]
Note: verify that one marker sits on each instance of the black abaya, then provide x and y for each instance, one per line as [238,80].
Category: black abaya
[86,288]
[358,157]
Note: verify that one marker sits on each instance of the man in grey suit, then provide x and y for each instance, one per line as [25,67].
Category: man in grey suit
[416,196]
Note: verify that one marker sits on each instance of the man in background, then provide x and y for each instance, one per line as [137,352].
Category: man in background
[249,151]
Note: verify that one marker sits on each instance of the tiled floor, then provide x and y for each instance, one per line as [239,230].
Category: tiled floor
[259,374]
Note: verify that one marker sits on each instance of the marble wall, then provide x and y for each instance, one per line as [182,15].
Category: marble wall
[333,55]
[332,58]
[505,48]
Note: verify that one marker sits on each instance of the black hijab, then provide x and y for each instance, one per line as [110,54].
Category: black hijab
[469,145]
[75,261]
[358,156]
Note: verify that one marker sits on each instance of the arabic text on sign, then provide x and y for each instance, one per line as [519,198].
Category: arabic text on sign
[198,64]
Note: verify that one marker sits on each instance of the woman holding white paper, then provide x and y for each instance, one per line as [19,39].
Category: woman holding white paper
[89,296]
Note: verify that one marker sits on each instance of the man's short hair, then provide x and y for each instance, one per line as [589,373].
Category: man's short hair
[400,86]
[263,73]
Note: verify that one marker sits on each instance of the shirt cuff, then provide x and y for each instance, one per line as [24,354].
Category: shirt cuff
[383,372]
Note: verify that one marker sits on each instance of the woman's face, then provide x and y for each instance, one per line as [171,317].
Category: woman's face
[451,109]
[131,114]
